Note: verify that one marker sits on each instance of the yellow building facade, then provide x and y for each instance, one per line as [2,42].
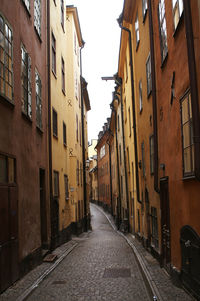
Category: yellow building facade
[137,99]
[69,106]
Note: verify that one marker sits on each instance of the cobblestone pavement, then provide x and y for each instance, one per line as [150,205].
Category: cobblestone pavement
[95,266]
[159,280]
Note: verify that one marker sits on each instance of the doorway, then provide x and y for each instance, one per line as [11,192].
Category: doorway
[165,224]
[43,210]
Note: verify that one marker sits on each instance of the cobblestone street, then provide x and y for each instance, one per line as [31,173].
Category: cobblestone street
[98,265]
[101,267]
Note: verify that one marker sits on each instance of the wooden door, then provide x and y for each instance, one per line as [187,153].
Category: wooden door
[165,224]
[9,269]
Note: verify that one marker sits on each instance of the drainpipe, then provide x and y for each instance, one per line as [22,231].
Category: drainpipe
[154,102]
[110,167]
[133,108]
[49,120]
[124,150]
[119,188]
[193,84]
[83,145]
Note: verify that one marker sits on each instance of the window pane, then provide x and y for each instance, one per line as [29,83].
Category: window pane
[185,112]
[3,170]
[187,160]
[186,135]
[11,170]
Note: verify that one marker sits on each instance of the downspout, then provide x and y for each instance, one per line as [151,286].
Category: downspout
[49,120]
[110,171]
[193,84]
[133,109]
[119,189]
[154,102]
[125,161]
[83,145]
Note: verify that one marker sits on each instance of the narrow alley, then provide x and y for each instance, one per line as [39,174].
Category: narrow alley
[99,265]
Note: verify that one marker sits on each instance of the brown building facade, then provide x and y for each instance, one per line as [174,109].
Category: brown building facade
[23,137]
[177,88]
[103,165]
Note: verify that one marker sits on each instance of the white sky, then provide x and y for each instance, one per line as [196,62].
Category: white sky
[101,34]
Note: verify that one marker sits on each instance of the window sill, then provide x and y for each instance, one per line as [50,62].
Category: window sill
[189,177]
[144,17]
[55,136]
[26,117]
[27,11]
[38,35]
[149,94]
[178,26]
[164,61]
[54,73]
[7,101]
[40,130]
[62,25]
[137,46]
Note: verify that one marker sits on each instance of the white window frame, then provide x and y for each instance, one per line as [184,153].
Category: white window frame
[26,82]
[37,16]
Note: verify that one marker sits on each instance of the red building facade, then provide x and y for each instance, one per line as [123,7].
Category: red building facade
[103,165]
[23,137]
[177,58]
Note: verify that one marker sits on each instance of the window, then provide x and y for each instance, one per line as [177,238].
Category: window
[62,13]
[118,122]
[80,139]
[154,227]
[75,43]
[128,160]
[38,96]
[77,172]
[102,151]
[120,154]
[152,154]
[64,134]
[55,183]
[37,16]
[63,74]
[129,117]
[144,8]
[76,86]
[140,95]
[137,33]
[55,123]
[187,135]
[27,4]
[66,183]
[138,211]
[7,169]
[26,83]
[53,48]
[148,74]
[81,170]
[76,127]
[6,60]
[163,30]
[177,11]
[143,161]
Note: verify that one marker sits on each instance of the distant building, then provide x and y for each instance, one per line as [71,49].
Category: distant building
[103,167]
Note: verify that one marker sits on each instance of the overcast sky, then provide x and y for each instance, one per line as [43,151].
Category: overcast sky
[101,34]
